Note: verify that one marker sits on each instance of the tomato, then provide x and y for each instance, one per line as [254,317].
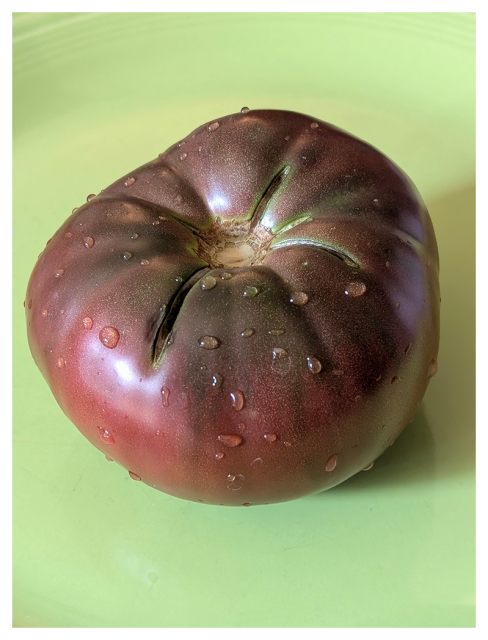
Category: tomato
[249,318]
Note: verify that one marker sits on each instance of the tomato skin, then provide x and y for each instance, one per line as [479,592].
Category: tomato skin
[251,317]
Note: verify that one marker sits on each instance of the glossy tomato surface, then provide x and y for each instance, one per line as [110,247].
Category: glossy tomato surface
[249,318]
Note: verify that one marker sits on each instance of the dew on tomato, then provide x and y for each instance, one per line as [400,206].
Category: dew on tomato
[254,313]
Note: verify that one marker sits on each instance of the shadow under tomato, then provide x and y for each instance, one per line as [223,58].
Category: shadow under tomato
[410,460]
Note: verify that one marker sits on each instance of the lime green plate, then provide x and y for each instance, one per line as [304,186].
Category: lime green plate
[96,95]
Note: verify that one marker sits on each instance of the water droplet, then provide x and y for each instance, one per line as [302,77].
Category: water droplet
[62,311]
[238,400]
[299,297]
[88,242]
[134,236]
[247,504]
[182,143]
[144,262]
[247,333]
[170,339]
[331,463]
[355,289]
[127,255]
[109,337]
[432,368]
[245,110]
[279,353]
[281,362]
[375,200]
[314,125]
[370,466]
[59,273]
[213,126]
[314,365]
[68,234]
[208,282]
[209,342]
[129,181]
[105,435]
[108,459]
[134,476]
[183,156]
[44,313]
[231,439]
[87,323]
[60,362]
[185,400]
[165,394]
[75,209]
[257,463]
[250,292]
[287,138]
[155,223]
[276,332]
[236,482]
[219,456]
[152,576]
[178,279]
[225,275]
[394,379]
[217,380]
[29,306]
[90,197]
[270,437]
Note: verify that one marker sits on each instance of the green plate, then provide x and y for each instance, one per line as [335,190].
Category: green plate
[96,95]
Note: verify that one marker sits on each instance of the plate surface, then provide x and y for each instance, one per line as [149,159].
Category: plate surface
[96,95]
